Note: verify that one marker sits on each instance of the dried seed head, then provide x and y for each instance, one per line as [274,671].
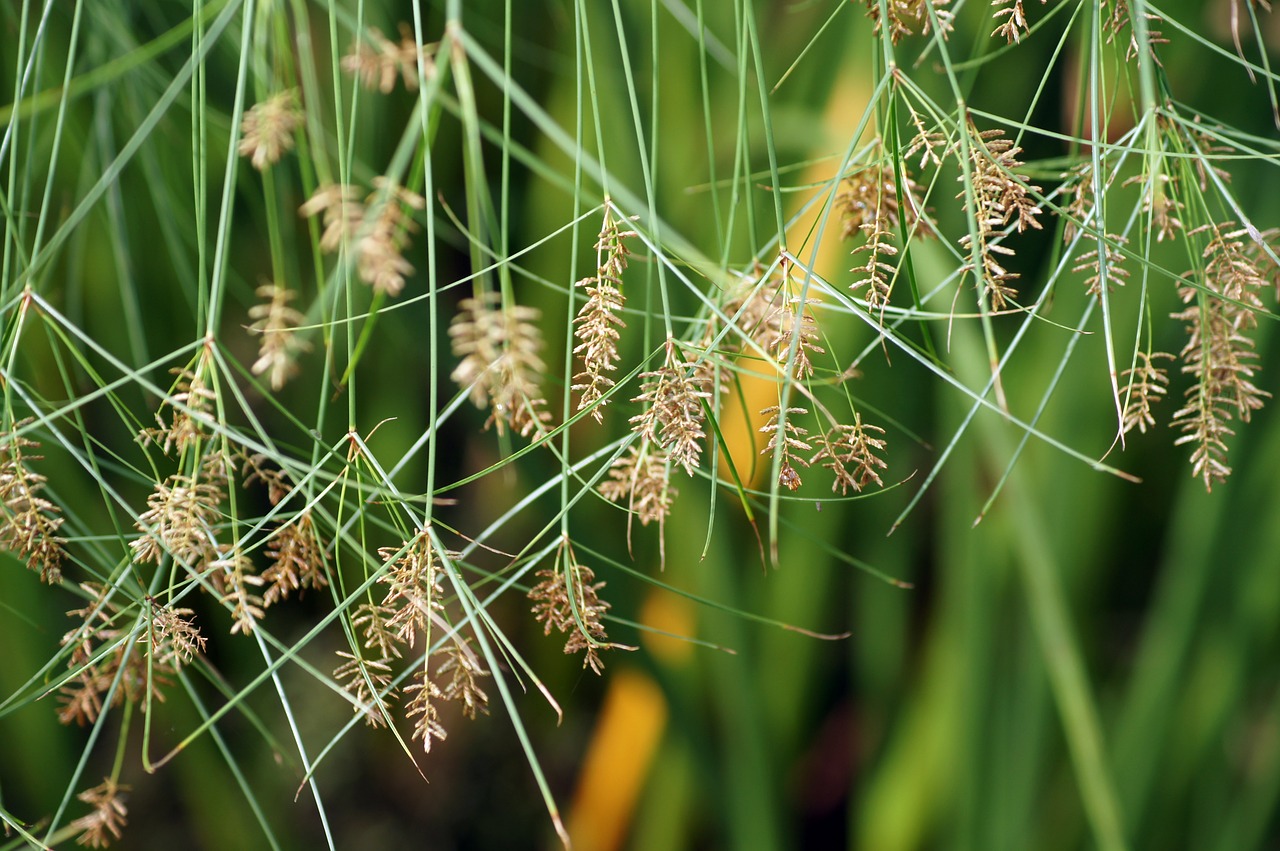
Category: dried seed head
[567,599]
[376,61]
[906,17]
[642,477]
[849,451]
[367,683]
[792,440]
[181,514]
[674,415]
[598,320]
[999,200]
[106,823]
[498,346]
[1110,268]
[1218,354]
[267,129]
[1147,385]
[275,320]
[29,523]
[376,231]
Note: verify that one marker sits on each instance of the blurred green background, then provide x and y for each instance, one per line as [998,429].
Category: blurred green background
[934,724]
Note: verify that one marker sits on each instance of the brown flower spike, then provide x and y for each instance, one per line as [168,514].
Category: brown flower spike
[598,320]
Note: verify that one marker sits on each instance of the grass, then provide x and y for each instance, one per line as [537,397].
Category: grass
[355,367]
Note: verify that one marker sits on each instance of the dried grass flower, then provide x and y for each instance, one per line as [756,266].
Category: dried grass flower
[1110,267]
[1118,18]
[423,709]
[598,321]
[376,61]
[673,417]
[375,231]
[464,673]
[106,822]
[267,129]
[998,199]
[786,437]
[641,476]
[368,684]
[414,593]
[850,452]
[192,403]
[871,196]
[174,638]
[907,17]
[181,514]
[295,559]
[567,600]
[102,658]
[233,574]
[1147,385]
[29,524]
[277,322]
[932,145]
[1218,354]
[1014,25]
[756,309]
[500,365]
[877,273]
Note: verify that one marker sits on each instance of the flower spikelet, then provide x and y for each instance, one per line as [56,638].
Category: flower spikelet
[295,560]
[1112,264]
[1148,384]
[641,477]
[1118,19]
[674,415]
[1218,353]
[423,708]
[598,320]
[100,655]
[368,683]
[414,590]
[277,481]
[1160,203]
[174,638]
[234,574]
[381,242]
[498,346]
[931,144]
[376,230]
[878,273]
[999,200]
[372,620]
[792,440]
[757,310]
[267,129]
[1015,19]
[1204,146]
[849,451]
[1078,184]
[343,213]
[906,17]
[376,61]
[799,325]
[29,523]
[464,671]
[870,197]
[106,823]
[192,403]
[181,514]
[567,599]
[280,346]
